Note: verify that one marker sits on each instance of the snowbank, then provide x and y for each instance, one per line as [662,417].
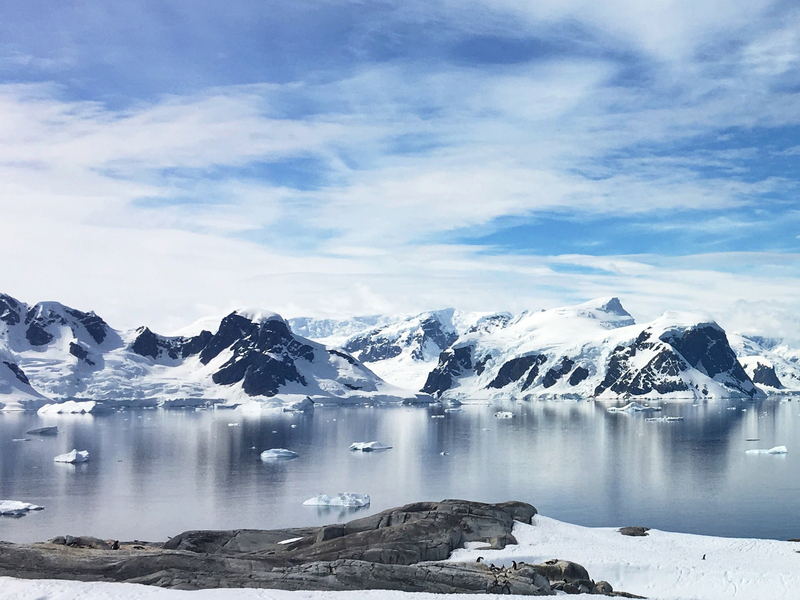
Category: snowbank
[346,499]
[75,456]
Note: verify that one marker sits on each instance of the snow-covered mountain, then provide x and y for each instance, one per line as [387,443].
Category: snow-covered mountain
[770,363]
[593,350]
[403,350]
[55,351]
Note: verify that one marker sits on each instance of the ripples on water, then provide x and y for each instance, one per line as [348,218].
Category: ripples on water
[154,473]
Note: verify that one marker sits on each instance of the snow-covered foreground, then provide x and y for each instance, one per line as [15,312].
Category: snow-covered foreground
[661,566]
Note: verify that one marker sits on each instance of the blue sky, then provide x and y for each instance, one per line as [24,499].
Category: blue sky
[165,159]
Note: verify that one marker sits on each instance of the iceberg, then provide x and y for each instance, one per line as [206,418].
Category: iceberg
[14,508]
[775,450]
[76,456]
[504,414]
[44,431]
[345,499]
[633,407]
[663,419]
[369,446]
[278,454]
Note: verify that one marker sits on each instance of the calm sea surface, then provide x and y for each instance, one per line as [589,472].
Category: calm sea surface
[155,473]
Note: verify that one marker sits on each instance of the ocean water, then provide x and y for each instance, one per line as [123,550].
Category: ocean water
[155,473]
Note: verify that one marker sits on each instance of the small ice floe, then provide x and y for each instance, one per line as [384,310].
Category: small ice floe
[44,431]
[345,499]
[70,407]
[75,456]
[305,405]
[775,450]
[633,407]
[278,454]
[234,424]
[452,410]
[663,419]
[14,508]
[503,414]
[437,416]
[443,453]
[21,440]
[293,426]
[369,446]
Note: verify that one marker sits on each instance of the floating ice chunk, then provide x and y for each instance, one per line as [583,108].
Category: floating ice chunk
[305,405]
[633,407]
[76,456]
[15,508]
[53,430]
[21,440]
[369,446]
[234,424]
[345,499]
[452,410]
[663,419]
[775,450]
[278,454]
[504,414]
[437,416]
[293,426]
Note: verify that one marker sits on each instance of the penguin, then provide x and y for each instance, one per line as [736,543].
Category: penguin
[704,557]
[514,565]
[115,545]
[480,558]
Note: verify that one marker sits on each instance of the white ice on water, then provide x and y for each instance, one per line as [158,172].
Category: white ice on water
[633,407]
[16,508]
[75,456]
[278,454]
[369,446]
[346,499]
[775,450]
[504,414]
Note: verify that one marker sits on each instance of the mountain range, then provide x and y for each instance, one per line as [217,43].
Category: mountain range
[50,352]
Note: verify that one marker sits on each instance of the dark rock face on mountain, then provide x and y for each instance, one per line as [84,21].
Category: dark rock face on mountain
[81,353]
[264,354]
[96,326]
[765,375]
[155,346]
[10,310]
[578,375]
[372,348]
[553,375]
[398,549]
[514,369]
[18,373]
[704,348]
[453,363]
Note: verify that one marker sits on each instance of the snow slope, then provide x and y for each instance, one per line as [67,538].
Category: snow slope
[772,364]
[252,355]
[593,350]
[403,350]
[660,566]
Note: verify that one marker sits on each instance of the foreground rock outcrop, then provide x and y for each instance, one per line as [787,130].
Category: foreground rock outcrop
[398,549]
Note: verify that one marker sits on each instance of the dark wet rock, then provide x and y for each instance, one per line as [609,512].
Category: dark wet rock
[634,531]
[398,549]
[453,363]
[17,371]
[765,375]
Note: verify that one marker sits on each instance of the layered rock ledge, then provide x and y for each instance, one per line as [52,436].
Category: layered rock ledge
[398,549]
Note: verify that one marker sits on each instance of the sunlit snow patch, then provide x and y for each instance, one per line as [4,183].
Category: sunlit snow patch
[76,456]
[775,450]
[369,446]
[345,499]
[278,454]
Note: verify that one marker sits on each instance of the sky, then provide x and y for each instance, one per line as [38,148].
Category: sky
[164,160]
